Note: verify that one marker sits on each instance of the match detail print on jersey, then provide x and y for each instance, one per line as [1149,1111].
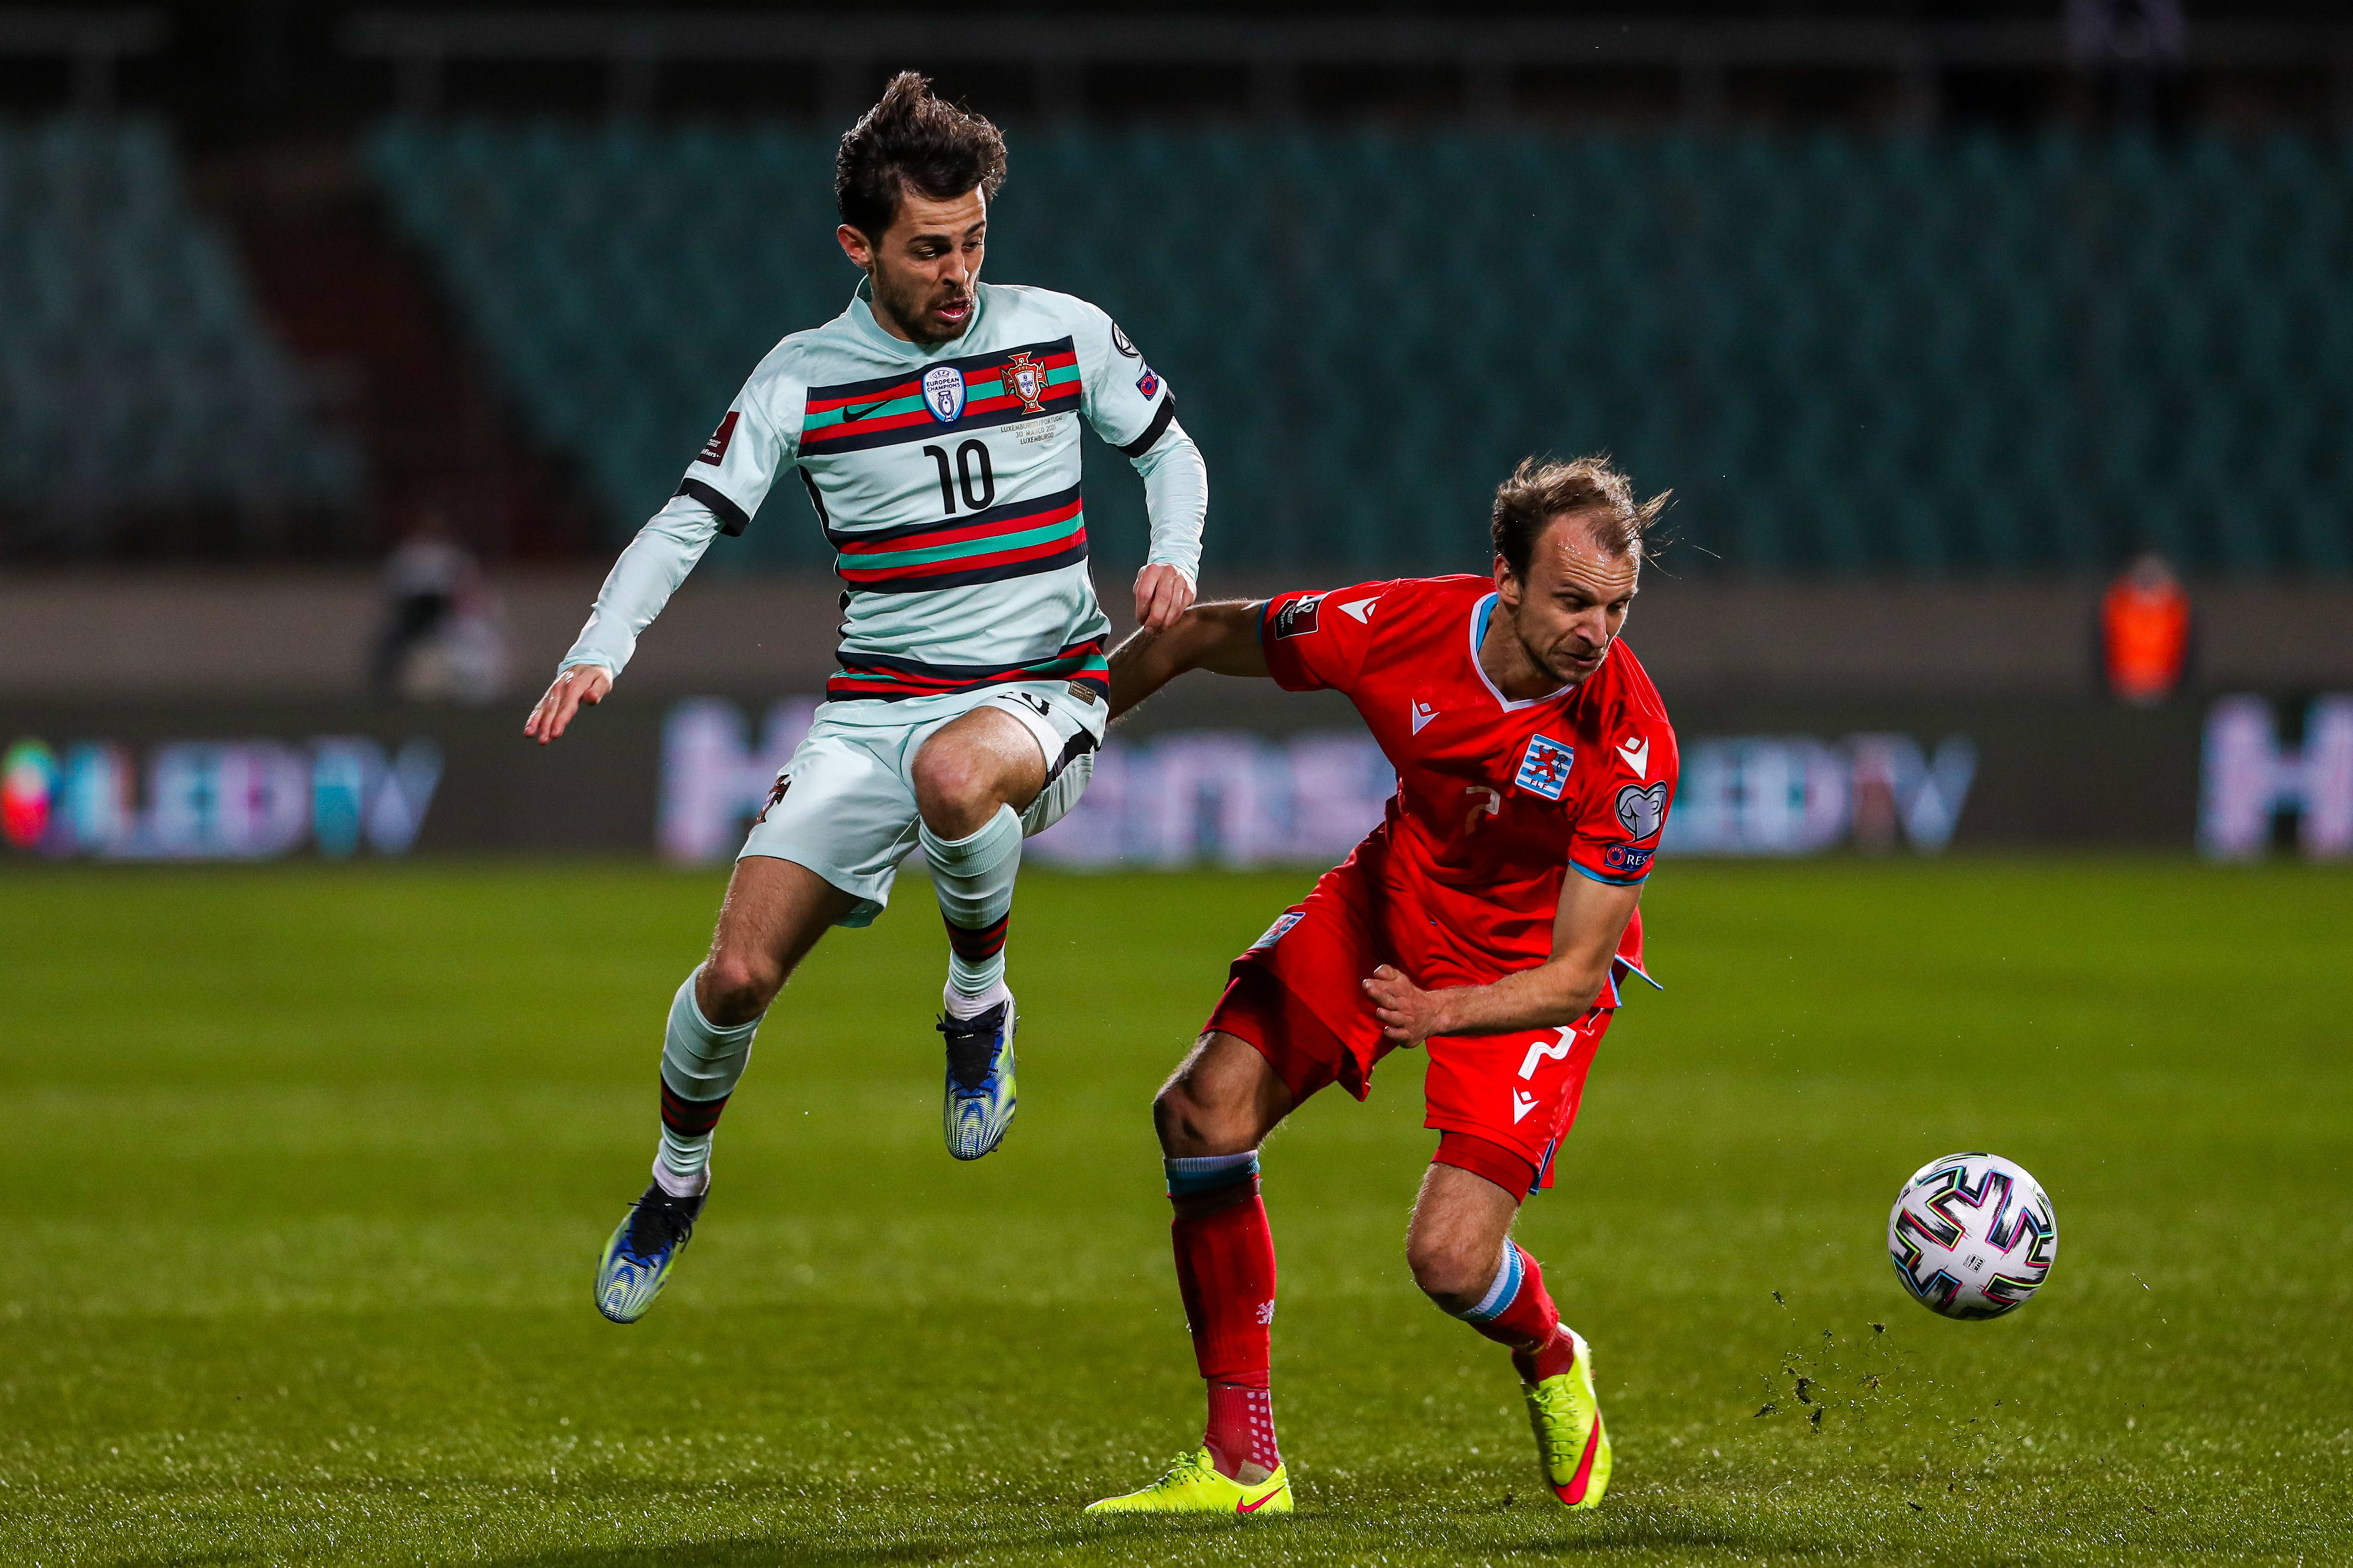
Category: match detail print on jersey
[1015,540]
[961,394]
[875,677]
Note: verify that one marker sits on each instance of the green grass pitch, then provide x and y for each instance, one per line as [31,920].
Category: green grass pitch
[308,1170]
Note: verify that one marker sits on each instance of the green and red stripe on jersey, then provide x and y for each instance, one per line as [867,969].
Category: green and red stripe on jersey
[857,415]
[1018,539]
[879,677]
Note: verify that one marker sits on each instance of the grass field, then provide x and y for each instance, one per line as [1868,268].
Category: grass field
[309,1169]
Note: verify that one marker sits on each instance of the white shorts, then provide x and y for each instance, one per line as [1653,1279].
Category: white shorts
[844,805]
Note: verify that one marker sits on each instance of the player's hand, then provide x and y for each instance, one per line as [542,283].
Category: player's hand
[1161,595]
[1407,1013]
[582,686]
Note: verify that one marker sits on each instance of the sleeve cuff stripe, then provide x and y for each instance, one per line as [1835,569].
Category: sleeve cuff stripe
[1612,881]
[1154,431]
[732,519]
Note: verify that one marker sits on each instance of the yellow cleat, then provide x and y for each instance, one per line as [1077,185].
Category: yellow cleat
[1571,1445]
[1194,1485]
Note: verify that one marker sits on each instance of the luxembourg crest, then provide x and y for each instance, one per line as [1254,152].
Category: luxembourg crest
[1543,767]
[1027,381]
[943,393]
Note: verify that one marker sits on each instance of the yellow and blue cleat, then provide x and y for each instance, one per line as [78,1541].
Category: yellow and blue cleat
[643,1250]
[1194,1485]
[1571,1444]
[981,1093]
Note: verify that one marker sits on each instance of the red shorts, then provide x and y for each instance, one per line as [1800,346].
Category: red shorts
[1297,995]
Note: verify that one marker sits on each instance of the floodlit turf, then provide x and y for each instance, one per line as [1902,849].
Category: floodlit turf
[307,1169]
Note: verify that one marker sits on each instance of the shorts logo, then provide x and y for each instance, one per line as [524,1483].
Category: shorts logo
[714,450]
[1119,341]
[1522,1103]
[1547,1051]
[1297,618]
[784,782]
[1640,811]
[1027,381]
[1148,382]
[1543,767]
[1274,933]
[1627,858]
[943,393]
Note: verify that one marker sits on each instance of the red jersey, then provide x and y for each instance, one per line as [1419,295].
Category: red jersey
[1497,800]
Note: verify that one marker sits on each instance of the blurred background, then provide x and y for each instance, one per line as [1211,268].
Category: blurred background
[1999,355]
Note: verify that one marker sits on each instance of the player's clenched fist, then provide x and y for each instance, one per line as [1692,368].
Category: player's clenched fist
[1407,1012]
[582,686]
[1162,595]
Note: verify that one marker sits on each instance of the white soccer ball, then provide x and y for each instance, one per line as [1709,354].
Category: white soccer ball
[1972,1236]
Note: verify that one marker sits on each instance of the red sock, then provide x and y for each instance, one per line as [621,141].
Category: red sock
[1225,1267]
[1530,1324]
[1240,1428]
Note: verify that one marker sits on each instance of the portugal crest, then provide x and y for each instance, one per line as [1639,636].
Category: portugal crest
[1027,381]
[943,393]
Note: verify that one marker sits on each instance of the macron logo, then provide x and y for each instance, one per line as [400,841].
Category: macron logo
[1637,754]
[1362,610]
[1522,1103]
[1422,714]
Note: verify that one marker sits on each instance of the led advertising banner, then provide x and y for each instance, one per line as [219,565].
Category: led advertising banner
[2237,777]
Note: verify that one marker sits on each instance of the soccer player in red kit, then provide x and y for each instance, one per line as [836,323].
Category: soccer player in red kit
[1491,917]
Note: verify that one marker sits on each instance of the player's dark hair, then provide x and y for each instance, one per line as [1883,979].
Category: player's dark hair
[911,139]
[1541,490]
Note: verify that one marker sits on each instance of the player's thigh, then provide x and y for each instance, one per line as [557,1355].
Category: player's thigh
[771,919]
[1456,1234]
[1224,1098]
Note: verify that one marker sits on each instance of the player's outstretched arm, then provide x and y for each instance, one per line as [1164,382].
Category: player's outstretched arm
[1556,993]
[1220,636]
[582,686]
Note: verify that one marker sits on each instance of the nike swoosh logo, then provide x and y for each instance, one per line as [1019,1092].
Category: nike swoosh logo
[1254,1506]
[850,414]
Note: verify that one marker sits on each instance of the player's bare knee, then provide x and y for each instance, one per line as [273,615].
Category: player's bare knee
[954,790]
[736,987]
[1191,1125]
[1451,1270]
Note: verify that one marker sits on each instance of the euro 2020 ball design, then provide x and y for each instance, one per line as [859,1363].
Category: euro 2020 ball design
[1972,1236]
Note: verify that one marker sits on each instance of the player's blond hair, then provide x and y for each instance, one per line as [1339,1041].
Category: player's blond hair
[1543,489]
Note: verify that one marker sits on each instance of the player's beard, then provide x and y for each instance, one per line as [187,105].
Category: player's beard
[1558,668]
[911,308]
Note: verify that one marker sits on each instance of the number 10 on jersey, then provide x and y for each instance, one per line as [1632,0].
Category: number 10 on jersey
[972,474]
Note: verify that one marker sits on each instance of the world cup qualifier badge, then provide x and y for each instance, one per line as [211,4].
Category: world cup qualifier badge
[1543,767]
[1297,618]
[943,393]
[1027,381]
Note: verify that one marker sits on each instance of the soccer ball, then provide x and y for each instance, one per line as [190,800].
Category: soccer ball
[1972,1236]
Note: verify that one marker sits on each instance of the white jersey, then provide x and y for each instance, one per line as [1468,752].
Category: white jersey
[946,479]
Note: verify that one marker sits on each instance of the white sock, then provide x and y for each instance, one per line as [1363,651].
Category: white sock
[960,1006]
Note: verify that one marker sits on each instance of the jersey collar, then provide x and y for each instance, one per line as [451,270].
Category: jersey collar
[861,319]
[1480,615]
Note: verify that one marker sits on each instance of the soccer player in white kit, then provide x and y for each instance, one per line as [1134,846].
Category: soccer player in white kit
[935,425]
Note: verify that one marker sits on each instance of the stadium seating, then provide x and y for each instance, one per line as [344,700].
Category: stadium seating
[135,372]
[1891,355]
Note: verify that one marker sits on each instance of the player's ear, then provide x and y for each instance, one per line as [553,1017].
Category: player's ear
[1507,584]
[854,246]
